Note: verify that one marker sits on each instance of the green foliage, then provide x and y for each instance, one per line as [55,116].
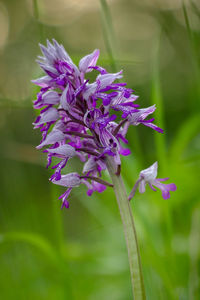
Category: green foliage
[46,253]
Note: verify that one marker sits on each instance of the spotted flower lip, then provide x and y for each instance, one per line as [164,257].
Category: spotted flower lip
[149,176]
[86,120]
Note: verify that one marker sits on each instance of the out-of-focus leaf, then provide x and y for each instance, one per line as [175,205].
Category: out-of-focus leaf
[185,134]
[32,239]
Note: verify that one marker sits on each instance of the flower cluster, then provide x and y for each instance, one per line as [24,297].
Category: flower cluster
[82,119]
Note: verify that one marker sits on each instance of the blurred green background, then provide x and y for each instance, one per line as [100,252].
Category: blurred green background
[80,253]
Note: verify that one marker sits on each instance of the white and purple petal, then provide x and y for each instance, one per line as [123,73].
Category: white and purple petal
[150,173]
[51,97]
[68,180]
[49,115]
[53,137]
[63,151]
[89,60]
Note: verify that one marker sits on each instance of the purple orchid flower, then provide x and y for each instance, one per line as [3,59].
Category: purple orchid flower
[138,117]
[77,120]
[149,176]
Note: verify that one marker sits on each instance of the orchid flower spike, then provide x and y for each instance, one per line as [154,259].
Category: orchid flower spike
[77,120]
[149,176]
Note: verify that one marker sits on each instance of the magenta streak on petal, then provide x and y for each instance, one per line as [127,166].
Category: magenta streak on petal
[99,69]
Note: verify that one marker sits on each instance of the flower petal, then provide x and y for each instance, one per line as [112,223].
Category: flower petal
[68,180]
[89,60]
[63,150]
[150,173]
[53,137]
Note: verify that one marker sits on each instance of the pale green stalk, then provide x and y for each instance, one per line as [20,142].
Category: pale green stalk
[37,17]
[129,231]
[194,57]
[156,98]
[108,34]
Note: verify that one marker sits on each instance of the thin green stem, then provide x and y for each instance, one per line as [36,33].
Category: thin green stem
[130,232]
[156,98]
[108,34]
[195,57]
[35,9]
[37,17]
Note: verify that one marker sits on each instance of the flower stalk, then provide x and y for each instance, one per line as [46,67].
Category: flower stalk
[129,231]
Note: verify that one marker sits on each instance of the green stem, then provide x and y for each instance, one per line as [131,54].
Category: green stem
[157,98]
[108,34]
[37,17]
[130,232]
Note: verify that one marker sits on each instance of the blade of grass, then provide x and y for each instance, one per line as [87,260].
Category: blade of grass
[32,239]
[195,8]
[108,34]
[37,17]
[188,130]
[187,22]
[156,98]
[195,56]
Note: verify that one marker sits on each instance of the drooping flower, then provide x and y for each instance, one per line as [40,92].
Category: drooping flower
[148,176]
[83,119]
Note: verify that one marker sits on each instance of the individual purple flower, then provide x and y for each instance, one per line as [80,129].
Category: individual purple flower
[84,119]
[121,102]
[149,176]
[139,117]
[72,180]
[94,166]
[63,151]
[69,180]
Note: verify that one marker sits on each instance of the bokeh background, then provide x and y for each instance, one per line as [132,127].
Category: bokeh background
[80,253]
